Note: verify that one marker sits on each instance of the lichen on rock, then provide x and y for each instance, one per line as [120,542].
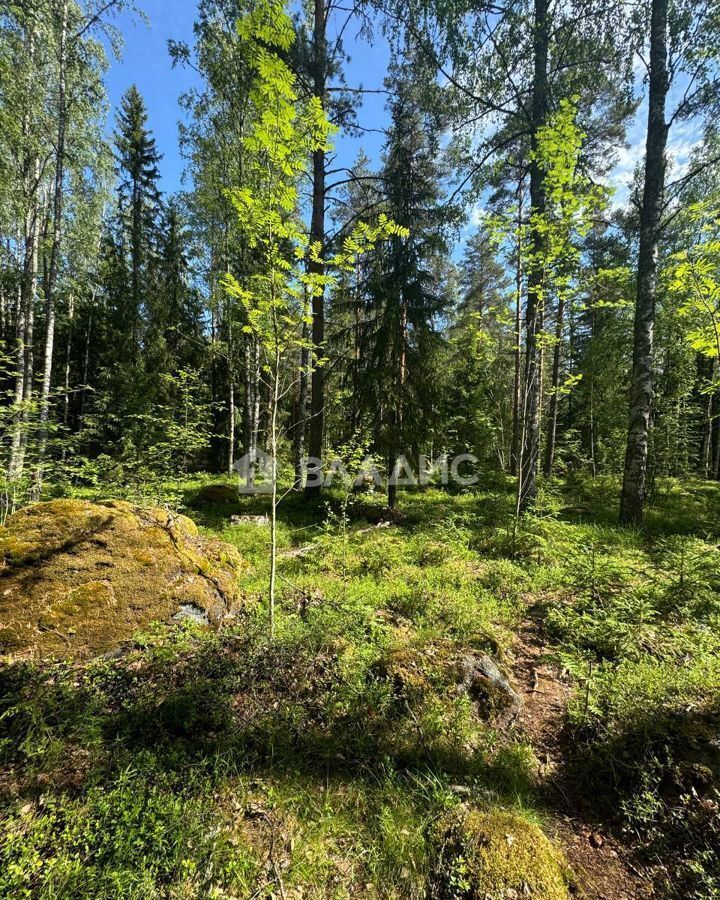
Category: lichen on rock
[78,578]
[495,855]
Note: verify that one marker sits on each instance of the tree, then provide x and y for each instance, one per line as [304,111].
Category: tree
[319,59]
[275,298]
[696,29]
[399,341]
[220,115]
[694,283]
[138,202]
[52,104]
[510,65]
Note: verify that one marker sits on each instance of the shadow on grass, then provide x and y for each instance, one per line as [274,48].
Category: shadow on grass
[236,703]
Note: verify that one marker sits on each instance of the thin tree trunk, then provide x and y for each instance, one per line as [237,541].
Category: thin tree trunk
[301,412]
[55,247]
[641,392]
[705,372]
[19,392]
[517,384]
[317,237]
[25,351]
[392,486]
[86,364]
[28,284]
[716,437]
[3,314]
[30,291]
[555,395]
[252,403]
[231,427]
[66,378]
[534,312]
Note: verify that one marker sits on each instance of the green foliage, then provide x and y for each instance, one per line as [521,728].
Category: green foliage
[693,282]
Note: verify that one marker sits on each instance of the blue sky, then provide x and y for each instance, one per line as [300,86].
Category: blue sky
[146,62]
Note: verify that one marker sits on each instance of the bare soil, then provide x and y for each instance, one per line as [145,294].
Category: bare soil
[601,861]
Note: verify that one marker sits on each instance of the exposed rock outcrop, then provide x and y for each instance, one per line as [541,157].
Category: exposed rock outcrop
[77,579]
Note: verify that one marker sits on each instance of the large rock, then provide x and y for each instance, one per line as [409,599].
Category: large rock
[79,578]
[495,855]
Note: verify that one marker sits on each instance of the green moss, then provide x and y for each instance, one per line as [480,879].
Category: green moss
[80,578]
[489,855]
[218,493]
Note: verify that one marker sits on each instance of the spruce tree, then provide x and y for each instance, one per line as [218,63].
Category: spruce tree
[405,296]
[138,200]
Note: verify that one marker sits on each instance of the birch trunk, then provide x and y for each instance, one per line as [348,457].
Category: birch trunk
[51,284]
[301,412]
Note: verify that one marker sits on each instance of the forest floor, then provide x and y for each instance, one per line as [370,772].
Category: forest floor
[600,858]
[353,756]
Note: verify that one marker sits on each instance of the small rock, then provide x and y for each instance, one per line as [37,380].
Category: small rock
[249,520]
[484,683]
[192,613]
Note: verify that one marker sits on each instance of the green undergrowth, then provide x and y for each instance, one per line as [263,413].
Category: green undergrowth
[327,762]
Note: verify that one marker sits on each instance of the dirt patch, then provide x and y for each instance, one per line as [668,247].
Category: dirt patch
[601,863]
[77,579]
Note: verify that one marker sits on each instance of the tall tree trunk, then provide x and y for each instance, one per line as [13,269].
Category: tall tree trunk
[231,391]
[555,394]
[231,425]
[252,403]
[397,413]
[517,352]
[641,391]
[66,378]
[317,236]
[19,391]
[527,487]
[716,437]
[392,485]
[705,372]
[30,283]
[3,314]
[86,364]
[51,283]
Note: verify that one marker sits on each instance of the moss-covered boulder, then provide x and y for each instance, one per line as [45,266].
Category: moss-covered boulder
[79,578]
[417,669]
[218,493]
[495,855]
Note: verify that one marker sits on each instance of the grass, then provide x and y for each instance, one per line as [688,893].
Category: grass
[324,763]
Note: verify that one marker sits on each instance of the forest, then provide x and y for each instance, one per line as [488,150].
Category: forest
[360,486]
